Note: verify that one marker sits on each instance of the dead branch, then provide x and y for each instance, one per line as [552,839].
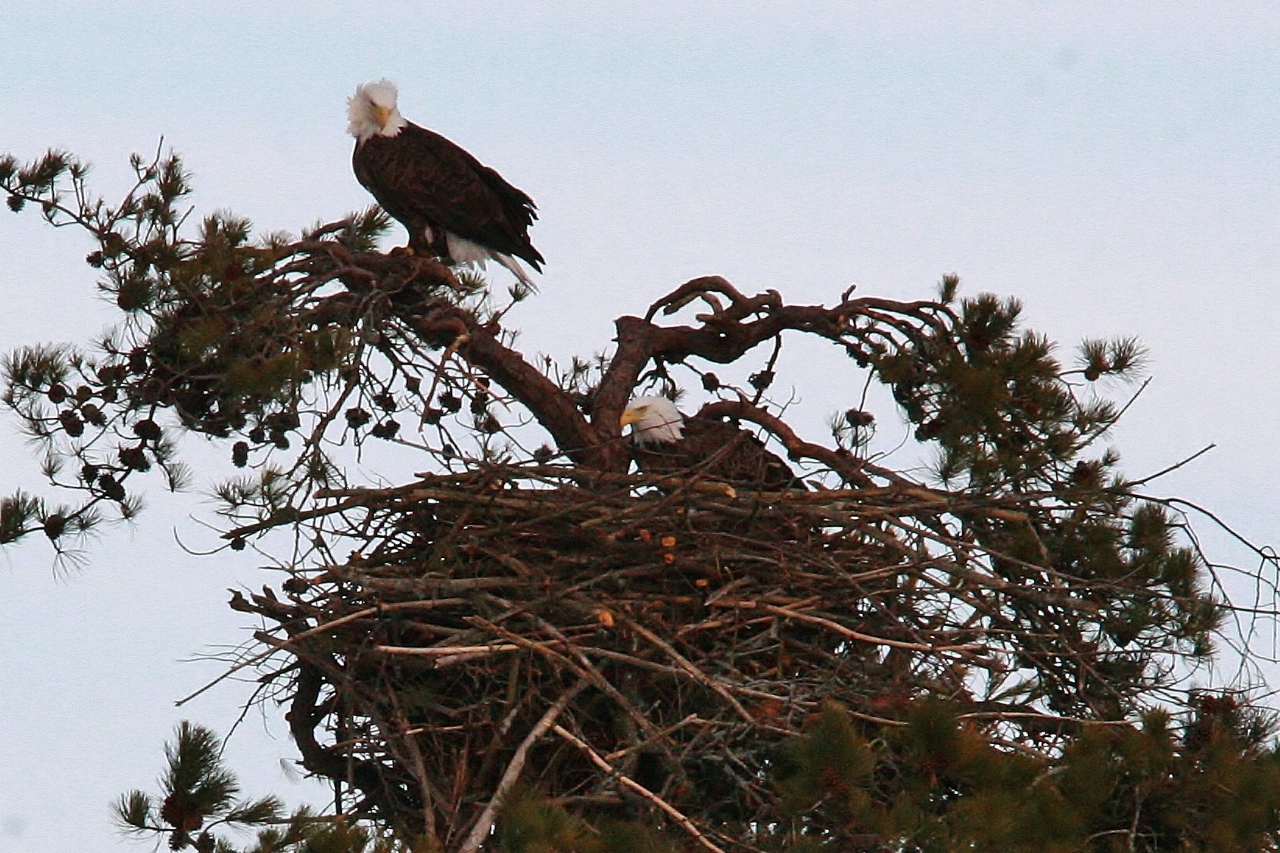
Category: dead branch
[484,823]
[627,782]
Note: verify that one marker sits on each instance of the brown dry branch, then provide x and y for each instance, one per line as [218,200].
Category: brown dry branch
[638,646]
[708,621]
[702,624]
[631,784]
[511,774]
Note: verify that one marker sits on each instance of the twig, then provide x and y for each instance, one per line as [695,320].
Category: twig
[858,635]
[425,788]
[445,651]
[480,830]
[688,667]
[350,617]
[628,782]
[1174,467]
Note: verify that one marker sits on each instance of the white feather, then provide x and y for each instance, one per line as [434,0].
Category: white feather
[363,107]
[658,421]
[464,251]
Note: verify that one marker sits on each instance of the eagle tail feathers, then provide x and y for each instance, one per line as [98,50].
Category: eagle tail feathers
[519,271]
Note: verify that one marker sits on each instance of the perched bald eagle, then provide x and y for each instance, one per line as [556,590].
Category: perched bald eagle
[452,205]
[666,442]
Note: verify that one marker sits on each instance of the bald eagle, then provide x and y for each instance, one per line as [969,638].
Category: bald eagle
[667,442]
[452,205]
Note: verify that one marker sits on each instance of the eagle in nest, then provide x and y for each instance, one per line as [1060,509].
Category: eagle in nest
[667,442]
[452,205]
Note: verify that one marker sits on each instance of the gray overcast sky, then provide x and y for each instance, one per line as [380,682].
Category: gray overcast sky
[1114,165]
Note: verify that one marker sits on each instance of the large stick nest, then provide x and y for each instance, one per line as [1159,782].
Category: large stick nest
[628,645]
[621,642]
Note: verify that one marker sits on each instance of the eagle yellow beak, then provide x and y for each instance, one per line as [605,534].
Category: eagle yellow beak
[630,416]
[382,114]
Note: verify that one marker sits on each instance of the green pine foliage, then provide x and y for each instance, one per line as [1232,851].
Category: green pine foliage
[198,801]
[530,824]
[211,342]
[1002,653]
[940,784]
[934,784]
[222,335]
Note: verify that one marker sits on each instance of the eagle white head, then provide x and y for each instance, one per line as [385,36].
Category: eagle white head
[654,420]
[372,111]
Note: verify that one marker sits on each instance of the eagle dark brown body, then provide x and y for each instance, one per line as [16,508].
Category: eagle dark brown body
[720,450]
[427,182]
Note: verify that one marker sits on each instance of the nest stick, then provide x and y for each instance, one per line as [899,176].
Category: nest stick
[628,782]
[480,831]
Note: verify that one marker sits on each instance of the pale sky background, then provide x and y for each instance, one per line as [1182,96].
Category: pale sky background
[1114,165]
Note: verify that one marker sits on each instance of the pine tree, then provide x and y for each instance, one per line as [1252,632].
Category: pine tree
[526,646]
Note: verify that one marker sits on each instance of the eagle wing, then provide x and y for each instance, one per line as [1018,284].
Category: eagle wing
[421,179]
[720,450]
